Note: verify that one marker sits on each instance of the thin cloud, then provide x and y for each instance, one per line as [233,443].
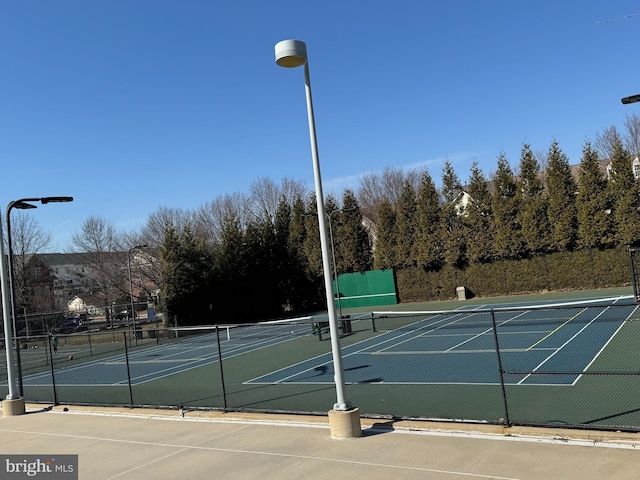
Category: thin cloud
[337,185]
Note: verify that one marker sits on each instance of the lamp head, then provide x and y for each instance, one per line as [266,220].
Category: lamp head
[291,53]
[45,200]
[631,99]
[21,205]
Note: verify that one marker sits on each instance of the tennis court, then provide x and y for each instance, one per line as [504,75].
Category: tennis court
[460,347]
[570,363]
[453,347]
[196,348]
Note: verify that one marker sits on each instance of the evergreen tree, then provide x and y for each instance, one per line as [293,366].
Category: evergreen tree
[407,226]
[624,195]
[533,206]
[188,270]
[429,245]
[297,231]
[333,220]
[284,266]
[304,293]
[508,241]
[452,214]
[479,218]
[311,243]
[592,203]
[627,217]
[562,212]
[353,239]
[451,186]
[386,235]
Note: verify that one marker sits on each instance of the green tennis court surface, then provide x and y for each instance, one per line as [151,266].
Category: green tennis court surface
[574,363]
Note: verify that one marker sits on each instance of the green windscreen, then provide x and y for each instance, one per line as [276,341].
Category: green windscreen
[375,287]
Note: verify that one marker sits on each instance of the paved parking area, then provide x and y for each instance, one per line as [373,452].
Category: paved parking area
[137,444]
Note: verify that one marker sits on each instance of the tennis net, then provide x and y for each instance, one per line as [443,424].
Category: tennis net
[600,310]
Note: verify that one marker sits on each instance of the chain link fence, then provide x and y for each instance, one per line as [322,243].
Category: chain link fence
[568,365]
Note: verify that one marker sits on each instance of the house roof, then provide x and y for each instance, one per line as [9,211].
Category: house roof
[58,259]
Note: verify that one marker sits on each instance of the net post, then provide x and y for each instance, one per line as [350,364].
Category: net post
[53,375]
[373,322]
[507,421]
[634,274]
[126,356]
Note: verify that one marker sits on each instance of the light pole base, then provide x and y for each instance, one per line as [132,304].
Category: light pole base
[345,423]
[12,407]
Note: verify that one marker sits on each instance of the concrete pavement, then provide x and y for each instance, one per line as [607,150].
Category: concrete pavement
[141,444]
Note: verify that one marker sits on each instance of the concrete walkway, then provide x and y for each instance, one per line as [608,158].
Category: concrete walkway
[142,444]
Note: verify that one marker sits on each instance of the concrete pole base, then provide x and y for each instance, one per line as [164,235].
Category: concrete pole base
[345,423]
[14,406]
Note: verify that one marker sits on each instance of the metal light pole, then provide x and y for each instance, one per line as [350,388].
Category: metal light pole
[335,270]
[6,316]
[21,205]
[291,54]
[333,255]
[133,311]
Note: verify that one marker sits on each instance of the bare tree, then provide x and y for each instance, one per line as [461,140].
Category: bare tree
[387,186]
[606,141]
[265,195]
[632,134]
[106,255]
[154,231]
[209,219]
[27,238]
[294,189]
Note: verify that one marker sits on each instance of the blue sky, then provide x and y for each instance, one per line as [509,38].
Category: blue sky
[130,105]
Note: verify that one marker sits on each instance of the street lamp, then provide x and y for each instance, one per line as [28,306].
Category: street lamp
[14,403]
[21,204]
[133,311]
[333,255]
[292,54]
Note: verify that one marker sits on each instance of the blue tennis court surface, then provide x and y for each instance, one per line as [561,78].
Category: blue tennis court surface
[155,362]
[460,348]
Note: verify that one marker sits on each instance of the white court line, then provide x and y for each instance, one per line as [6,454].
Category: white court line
[563,345]
[483,333]
[604,346]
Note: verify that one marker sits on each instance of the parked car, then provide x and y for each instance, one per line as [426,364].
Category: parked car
[124,315]
[72,324]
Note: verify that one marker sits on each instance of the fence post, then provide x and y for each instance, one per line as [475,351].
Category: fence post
[224,392]
[126,356]
[53,375]
[507,421]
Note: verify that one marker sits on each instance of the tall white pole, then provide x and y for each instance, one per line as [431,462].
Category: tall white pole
[6,315]
[342,403]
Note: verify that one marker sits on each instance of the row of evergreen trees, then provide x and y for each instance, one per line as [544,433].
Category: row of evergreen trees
[512,216]
[262,268]
[270,264]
